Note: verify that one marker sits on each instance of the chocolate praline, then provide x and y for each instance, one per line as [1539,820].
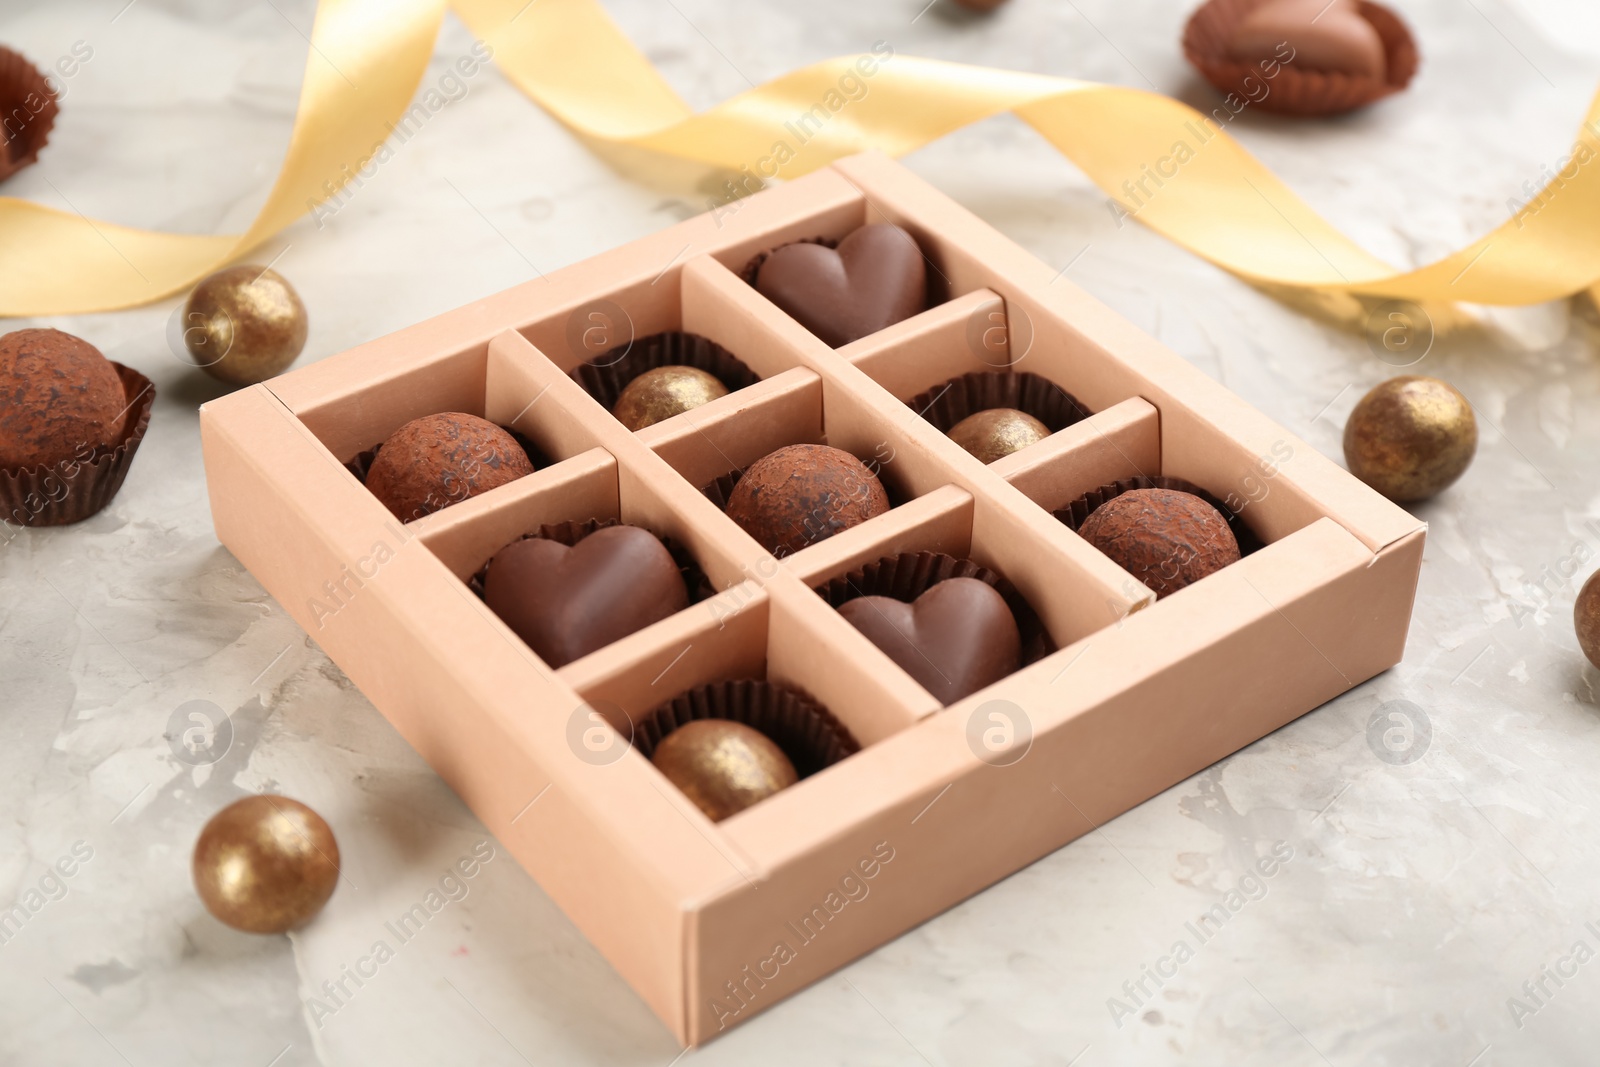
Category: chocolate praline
[1166,538]
[802,494]
[955,639]
[662,392]
[439,460]
[567,602]
[875,278]
[1586,618]
[60,399]
[1321,35]
[1411,437]
[723,766]
[995,433]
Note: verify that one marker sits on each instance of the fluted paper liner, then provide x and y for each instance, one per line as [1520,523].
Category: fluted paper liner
[571,532]
[1295,90]
[22,86]
[806,731]
[947,404]
[910,574]
[605,376]
[72,490]
[1076,512]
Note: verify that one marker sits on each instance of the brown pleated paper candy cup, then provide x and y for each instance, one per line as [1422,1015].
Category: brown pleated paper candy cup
[1294,90]
[571,532]
[719,491]
[949,403]
[910,574]
[1076,512]
[72,490]
[605,376]
[806,731]
[29,108]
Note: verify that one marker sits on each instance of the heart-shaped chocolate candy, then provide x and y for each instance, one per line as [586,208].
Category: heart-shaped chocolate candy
[954,639]
[873,279]
[1326,36]
[567,602]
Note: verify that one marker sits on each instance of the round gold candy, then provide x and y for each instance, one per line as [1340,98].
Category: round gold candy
[1586,618]
[657,395]
[1410,437]
[998,432]
[723,766]
[265,864]
[244,325]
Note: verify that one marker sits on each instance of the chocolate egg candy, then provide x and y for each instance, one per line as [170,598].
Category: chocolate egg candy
[567,602]
[662,392]
[723,766]
[1165,538]
[244,325]
[1324,36]
[802,494]
[60,399]
[265,864]
[1410,437]
[439,460]
[875,278]
[1586,618]
[997,432]
[954,639]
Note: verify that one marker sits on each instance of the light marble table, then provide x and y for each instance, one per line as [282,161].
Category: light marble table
[1419,897]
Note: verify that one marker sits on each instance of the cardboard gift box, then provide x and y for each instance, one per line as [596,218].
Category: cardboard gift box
[712,922]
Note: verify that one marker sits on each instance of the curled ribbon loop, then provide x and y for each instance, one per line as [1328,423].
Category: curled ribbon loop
[1207,194]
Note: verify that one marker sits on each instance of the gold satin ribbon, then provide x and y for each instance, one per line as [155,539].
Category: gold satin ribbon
[367,58]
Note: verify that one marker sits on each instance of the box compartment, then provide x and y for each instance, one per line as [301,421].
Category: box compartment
[940,802]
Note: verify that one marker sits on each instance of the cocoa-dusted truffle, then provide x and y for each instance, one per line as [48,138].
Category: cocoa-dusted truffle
[59,399]
[802,494]
[439,460]
[1165,538]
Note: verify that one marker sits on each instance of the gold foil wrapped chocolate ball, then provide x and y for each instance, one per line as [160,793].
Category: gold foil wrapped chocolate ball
[244,325]
[265,864]
[998,432]
[1586,618]
[723,766]
[657,395]
[1411,437]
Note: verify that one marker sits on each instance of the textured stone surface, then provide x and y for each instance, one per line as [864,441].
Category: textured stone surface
[1419,896]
